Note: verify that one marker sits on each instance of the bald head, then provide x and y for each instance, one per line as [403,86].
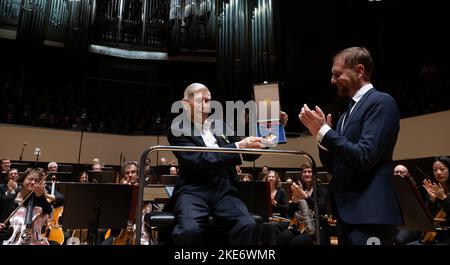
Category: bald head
[401,170]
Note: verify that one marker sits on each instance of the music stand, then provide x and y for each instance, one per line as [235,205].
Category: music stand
[294,175]
[162,170]
[96,206]
[102,176]
[287,188]
[62,176]
[107,169]
[61,186]
[259,204]
[155,192]
[416,215]
[261,176]
[151,179]
[169,179]
[65,168]
[21,166]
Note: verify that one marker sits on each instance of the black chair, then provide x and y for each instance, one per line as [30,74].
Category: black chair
[161,225]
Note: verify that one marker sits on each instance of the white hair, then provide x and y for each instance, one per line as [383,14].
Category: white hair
[193,88]
[52,164]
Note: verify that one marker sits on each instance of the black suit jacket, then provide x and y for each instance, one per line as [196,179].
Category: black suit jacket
[201,172]
[360,159]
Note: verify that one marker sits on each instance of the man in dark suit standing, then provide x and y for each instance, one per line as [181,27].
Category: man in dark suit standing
[358,152]
[205,186]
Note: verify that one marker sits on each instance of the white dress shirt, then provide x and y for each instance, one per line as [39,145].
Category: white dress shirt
[206,134]
[325,128]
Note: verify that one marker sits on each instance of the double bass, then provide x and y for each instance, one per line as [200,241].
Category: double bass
[54,231]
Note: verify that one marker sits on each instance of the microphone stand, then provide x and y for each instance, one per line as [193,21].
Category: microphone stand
[83,118]
[21,153]
[158,125]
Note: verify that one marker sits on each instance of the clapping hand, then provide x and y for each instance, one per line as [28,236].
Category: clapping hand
[435,190]
[314,119]
[298,192]
[12,185]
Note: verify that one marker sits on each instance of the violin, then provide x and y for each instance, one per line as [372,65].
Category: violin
[428,237]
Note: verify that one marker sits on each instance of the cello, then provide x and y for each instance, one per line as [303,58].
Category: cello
[428,237]
[127,235]
[26,221]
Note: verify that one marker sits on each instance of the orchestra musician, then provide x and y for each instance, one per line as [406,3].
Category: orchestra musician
[126,236]
[11,185]
[5,165]
[280,203]
[438,200]
[206,184]
[30,183]
[83,177]
[302,199]
[278,196]
[55,197]
[403,235]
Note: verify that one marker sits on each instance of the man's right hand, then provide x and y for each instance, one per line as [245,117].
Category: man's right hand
[2,225]
[298,192]
[12,185]
[251,142]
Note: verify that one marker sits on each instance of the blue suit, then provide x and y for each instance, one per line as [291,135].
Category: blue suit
[359,157]
[206,187]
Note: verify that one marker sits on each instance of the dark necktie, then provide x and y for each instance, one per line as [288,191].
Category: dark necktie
[350,106]
[347,114]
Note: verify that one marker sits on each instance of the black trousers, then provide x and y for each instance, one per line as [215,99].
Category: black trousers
[191,217]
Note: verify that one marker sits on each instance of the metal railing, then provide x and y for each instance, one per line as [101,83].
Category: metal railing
[222,150]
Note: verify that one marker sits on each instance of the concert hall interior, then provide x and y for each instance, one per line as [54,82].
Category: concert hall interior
[88,88]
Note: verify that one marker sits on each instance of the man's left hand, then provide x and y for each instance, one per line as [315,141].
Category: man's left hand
[312,119]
